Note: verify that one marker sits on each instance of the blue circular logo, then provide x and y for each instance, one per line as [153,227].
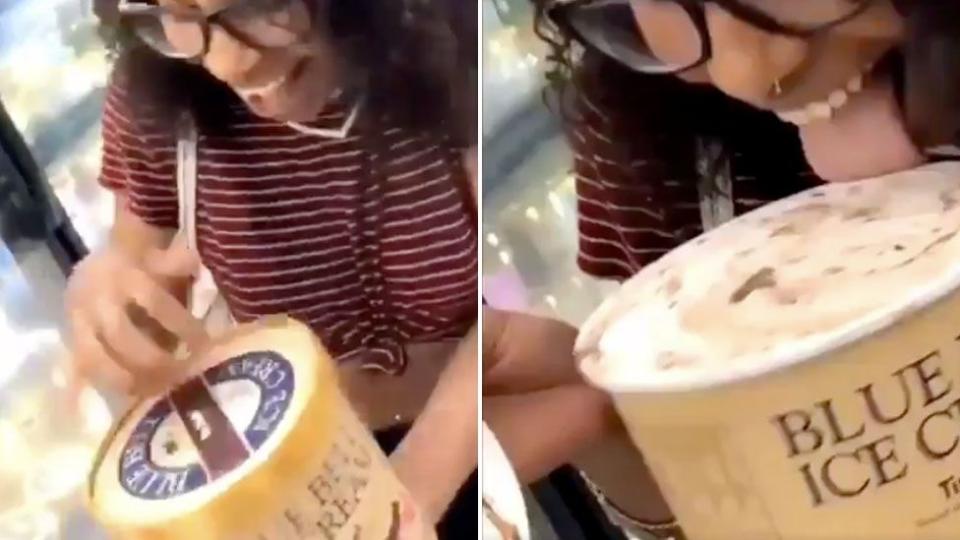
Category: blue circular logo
[207,427]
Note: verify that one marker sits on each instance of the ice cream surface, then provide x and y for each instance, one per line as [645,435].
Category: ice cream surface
[778,285]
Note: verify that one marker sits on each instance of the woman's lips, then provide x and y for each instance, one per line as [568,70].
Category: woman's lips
[271,99]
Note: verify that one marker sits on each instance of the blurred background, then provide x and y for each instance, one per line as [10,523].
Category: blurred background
[53,70]
[529,204]
[530,231]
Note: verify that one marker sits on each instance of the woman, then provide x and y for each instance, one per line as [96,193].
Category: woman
[333,185]
[655,118]
[684,113]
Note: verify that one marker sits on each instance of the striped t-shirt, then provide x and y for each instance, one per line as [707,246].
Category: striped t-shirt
[642,172]
[301,225]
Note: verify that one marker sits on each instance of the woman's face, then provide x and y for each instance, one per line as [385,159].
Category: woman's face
[288,74]
[825,84]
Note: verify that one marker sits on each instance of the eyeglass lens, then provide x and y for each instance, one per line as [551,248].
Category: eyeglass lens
[806,13]
[612,27]
[266,24]
[269,24]
[669,40]
[170,34]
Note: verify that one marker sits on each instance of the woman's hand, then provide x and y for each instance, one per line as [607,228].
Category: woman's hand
[545,415]
[534,399]
[526,353]
[126,319]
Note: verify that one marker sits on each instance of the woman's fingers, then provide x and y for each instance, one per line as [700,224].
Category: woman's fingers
[176,261]
[126,323]
[91,359]
[135,349]
[162,306]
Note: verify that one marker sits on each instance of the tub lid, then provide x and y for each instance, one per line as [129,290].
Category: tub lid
[780,285]
[202,456]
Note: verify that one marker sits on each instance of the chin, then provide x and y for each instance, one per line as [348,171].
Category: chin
[288,108]
[284,117]
[302,113]
[281,115]
[298,117]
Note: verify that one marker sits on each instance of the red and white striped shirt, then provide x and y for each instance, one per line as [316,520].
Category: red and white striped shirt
[298,224]
[636,168]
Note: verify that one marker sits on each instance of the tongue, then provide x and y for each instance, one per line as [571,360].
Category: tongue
[865,138]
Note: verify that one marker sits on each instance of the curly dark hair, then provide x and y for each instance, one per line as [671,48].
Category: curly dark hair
[416,60]
[925,69]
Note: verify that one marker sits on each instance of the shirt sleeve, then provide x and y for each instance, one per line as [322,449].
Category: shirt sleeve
[139,159]
[636,192]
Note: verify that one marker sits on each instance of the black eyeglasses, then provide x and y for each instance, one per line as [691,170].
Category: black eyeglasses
[610,26]
[183,32]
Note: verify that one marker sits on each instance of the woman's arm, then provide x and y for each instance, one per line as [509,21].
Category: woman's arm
[121,297]
[534,400]
[440,451]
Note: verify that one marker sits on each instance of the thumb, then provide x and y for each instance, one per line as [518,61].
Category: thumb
[177,260]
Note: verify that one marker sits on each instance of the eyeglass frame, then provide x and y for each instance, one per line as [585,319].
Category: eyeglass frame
[205,21]
[696,10]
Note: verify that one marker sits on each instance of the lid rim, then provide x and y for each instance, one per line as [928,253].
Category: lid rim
[804,350]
